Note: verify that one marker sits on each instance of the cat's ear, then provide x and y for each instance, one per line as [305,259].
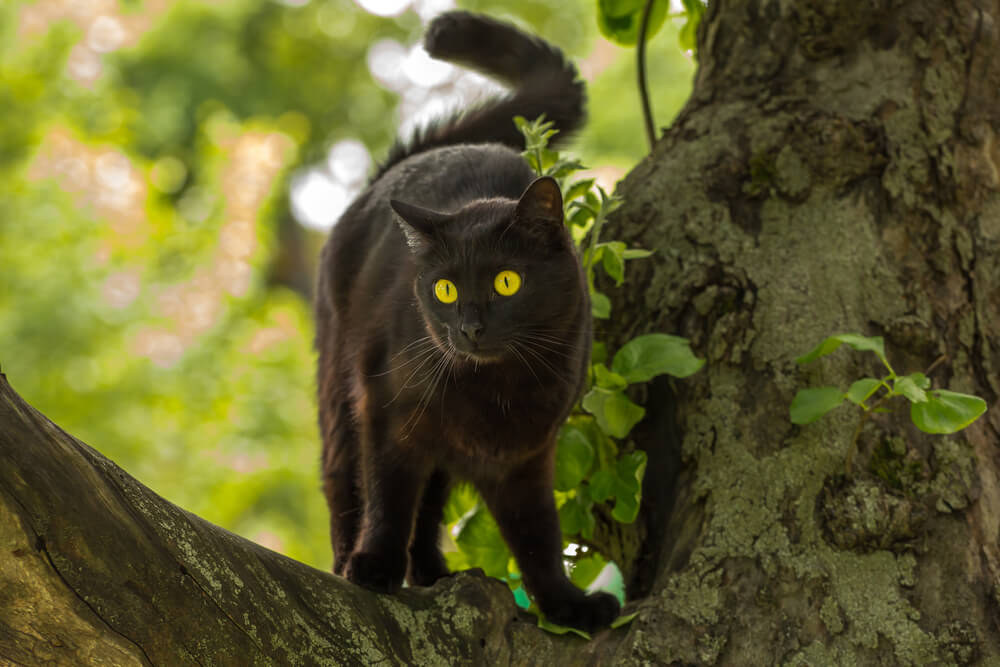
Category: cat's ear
[541,203]
[418,224]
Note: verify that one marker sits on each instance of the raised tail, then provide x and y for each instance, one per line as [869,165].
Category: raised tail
[541,79]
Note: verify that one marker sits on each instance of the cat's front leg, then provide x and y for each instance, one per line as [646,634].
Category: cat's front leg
[392,485]
[524,508]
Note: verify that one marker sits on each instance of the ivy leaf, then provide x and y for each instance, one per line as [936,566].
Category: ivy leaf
[920,380]
[861,390]
[602,485]
[645,357]
[598,353]
[946,411]
[688,37]
[600,305]
[615,413]
[619,19]
[630,470]
[574,457]
[575,517]
[585,570]
[623,483]
[479,538]
[559,629]
[636,253]
[461,501]
[905,386]
[624,620]
[861,343]
[613,260]
[608,379]
[812,403]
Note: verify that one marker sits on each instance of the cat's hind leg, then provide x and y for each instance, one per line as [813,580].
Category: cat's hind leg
[427,564]
[340,484]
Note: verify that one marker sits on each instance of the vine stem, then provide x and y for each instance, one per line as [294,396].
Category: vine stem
[647,111]
[853,447]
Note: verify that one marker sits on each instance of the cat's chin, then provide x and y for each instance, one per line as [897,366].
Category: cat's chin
[480,356]
[476,355]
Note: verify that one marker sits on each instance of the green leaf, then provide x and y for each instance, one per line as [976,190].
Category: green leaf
[600,305]
[861,390]
[563,167]
[811,404]
[580,216]
[584,571]
[602,485]
[693,9]
[636,253]
[461,501]
[615,413]
[628,492]
[645,357]
[578,189]
[479,537]
[608,379]
[613,260]
[559,629]
[624,620]
[574,457]
[946,411]
[905,386]
[598,353]
[858,342]
[575,517]
[619,19]
[920,380]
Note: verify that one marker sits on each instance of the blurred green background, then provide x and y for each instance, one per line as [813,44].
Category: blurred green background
[167,170]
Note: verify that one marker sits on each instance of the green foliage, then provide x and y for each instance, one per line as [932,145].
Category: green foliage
[591,467]
[620,20]
[225,424]
[935,411]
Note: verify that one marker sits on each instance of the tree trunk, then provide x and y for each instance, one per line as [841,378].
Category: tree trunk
[835,170]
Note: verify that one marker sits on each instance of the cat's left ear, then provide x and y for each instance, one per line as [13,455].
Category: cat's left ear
[418,224]
[541,203]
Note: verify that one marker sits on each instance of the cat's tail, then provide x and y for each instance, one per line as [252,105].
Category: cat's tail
[542,81]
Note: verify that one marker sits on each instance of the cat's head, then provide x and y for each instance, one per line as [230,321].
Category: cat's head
[498,278]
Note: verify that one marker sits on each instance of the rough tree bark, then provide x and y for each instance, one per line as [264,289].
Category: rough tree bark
[836,169]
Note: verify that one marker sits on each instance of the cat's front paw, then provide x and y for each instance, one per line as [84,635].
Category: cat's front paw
[376,572]
[584,612]
[425,569]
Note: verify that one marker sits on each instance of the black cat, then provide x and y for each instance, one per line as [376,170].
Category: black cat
[453,328]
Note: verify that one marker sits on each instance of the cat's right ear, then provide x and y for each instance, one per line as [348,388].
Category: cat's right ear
[418,224]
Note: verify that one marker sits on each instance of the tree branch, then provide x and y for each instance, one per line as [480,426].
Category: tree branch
[96,567]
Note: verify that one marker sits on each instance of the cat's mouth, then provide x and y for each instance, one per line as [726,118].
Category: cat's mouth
[474,352]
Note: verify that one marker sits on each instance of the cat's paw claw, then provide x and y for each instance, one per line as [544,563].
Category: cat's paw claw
[375,572]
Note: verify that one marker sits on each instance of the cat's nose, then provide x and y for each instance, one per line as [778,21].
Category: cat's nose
[472,330]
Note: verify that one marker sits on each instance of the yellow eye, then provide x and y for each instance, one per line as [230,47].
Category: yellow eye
[445,291]
[507,283]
